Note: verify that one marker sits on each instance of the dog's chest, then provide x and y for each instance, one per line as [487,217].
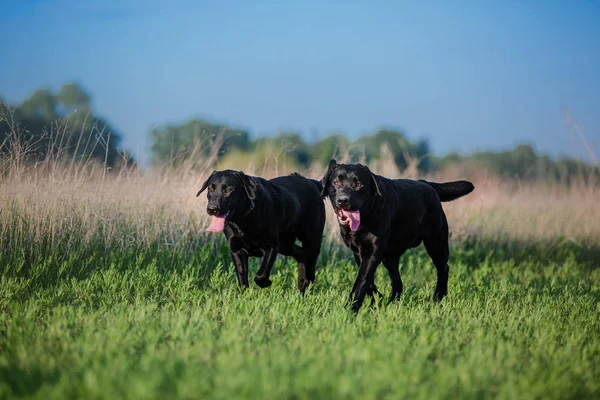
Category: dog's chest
[240,241]
[356,240]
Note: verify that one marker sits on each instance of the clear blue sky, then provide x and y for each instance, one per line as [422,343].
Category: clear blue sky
[465,75]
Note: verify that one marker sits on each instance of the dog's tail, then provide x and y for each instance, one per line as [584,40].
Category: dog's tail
[451,190]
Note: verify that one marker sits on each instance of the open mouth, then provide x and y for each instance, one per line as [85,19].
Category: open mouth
[344,220]
[217,223]
[351,218]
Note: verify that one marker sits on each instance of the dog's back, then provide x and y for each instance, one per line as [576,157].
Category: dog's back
[302,200]
[305,190]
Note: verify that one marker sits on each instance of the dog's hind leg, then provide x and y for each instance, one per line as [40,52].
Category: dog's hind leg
[311,237]
[303,268]
[437,248]
[307,270]
[289,248]
[391,263]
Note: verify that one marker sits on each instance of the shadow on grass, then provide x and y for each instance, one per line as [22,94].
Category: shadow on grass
[558,251]
[26,382]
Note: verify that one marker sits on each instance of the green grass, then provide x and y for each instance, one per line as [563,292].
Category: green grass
[91,319]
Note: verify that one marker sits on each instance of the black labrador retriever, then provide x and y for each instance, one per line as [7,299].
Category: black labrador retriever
[381,218]
[262,218]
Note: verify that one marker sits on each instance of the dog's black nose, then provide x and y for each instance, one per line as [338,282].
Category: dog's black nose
[343,202]
[212,210]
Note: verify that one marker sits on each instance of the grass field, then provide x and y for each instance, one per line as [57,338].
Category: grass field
[111,289]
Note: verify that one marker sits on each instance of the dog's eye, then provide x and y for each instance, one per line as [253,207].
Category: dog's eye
[211,188]
[336,183]
[227,190]
[356,185]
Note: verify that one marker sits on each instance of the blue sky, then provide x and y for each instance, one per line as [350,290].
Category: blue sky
[465,75]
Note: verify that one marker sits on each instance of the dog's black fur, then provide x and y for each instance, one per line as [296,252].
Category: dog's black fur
[395,215]
[266,217]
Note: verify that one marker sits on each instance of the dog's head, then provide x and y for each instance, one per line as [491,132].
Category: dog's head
[349,187]
[230,193]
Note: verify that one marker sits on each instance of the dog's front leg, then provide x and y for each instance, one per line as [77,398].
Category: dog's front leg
[365,281]
[264,272]
[240,259]
[372,290]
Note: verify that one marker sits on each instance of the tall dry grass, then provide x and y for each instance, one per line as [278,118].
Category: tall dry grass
[62,203]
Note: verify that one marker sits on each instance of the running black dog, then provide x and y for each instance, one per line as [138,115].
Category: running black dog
[381,218]
[262,218]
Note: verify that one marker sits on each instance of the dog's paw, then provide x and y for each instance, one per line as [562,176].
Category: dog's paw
[262,281]
[395,296]
[438,296]
[303,284]
[354,304]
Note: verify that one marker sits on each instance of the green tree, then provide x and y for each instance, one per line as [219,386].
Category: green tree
[174,144]
[400,147]
[332,146]
[63,124]
[290,143]
[40,105]
[72,95]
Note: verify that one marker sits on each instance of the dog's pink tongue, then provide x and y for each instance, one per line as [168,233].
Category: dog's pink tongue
[217,224]
[354,217]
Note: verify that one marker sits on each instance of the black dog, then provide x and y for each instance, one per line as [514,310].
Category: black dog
[381,218]
[262,218]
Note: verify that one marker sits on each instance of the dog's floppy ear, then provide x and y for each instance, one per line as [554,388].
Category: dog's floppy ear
[373,180]
[205,184]
[248,183]
[325,180]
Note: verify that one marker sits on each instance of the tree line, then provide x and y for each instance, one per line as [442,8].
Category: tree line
[62,124]
[176,144]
